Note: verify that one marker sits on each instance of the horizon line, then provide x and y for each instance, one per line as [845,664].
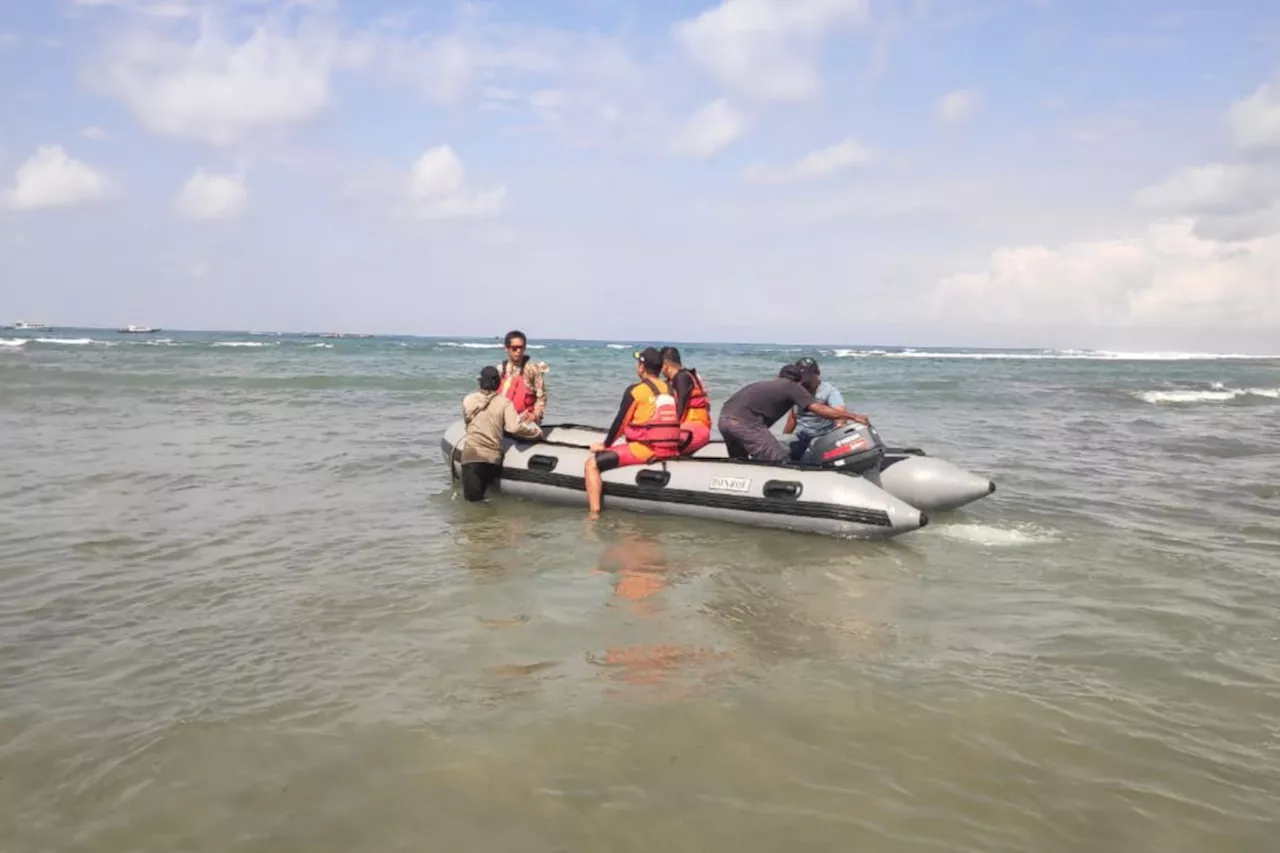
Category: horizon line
[659,342]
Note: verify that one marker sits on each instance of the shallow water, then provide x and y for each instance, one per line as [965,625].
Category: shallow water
[240,609]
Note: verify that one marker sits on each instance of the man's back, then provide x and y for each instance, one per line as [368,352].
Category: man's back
[765,402]
[488,416]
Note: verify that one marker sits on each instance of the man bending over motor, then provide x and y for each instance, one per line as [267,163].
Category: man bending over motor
[746,417]
[646,419]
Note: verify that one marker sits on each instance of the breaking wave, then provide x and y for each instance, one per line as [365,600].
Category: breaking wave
[1217,394]
[1039,355]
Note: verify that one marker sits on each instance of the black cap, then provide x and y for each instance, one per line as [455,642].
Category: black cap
[790,371]
[650,357]
[490,373]
[808,365]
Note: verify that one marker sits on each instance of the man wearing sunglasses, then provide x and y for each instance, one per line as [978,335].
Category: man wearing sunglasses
[523,382]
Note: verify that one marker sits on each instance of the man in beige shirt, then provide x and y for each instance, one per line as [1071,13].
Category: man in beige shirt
[489,416]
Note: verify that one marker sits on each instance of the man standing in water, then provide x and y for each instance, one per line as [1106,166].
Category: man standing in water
[488,416]
[522,381]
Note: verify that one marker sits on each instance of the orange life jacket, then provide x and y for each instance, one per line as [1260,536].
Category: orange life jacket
[653,421]
[515,389]
[699,405]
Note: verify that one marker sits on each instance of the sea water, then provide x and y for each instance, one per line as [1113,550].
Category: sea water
[242,609]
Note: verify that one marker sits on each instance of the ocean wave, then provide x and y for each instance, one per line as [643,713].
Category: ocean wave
[13,343]
[72,342]
[1052,355]
[996,537]
[617,346]
[244,344]
[474,345]
[1217,394]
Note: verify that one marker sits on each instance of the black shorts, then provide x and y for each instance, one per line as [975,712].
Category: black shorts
[476,477]
[606,460]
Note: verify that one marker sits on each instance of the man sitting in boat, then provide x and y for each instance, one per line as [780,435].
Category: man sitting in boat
[646,427]
[488,415]
[523,382]
[746,417]
[693,407]
[807,427]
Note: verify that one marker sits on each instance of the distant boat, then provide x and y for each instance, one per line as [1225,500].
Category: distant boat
[27,325]
[136,330]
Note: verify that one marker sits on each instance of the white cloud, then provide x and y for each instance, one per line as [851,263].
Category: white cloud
[440,69]
[1226,188]
[211,197]
[958,106]
[1234,201]
[221,91]
[1255,121]
[767,49]
[1212,260]
[50,178]
[438,188]
[816,164]
[93,132]
[1166,276]
[710,129]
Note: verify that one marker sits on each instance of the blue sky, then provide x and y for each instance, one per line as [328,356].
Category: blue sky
[963,172]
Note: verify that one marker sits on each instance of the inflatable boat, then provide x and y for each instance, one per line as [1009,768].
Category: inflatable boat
[848,484]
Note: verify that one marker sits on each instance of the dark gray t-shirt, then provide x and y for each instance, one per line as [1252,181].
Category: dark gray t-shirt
[766,402]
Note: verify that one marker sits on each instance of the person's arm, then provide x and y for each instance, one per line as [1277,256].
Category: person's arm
[624,411]
[791,422]
[684,389]
[833,414]
[539,392]
[802,398]
[517,426]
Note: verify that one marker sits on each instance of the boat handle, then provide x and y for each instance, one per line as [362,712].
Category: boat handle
[653,478]
[539,462]
[783,489]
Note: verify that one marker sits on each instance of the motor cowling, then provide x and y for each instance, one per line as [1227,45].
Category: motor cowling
[854,447]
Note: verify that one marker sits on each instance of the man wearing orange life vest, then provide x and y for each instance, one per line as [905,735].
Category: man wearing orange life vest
[693,407]
[522,380]
[646,427]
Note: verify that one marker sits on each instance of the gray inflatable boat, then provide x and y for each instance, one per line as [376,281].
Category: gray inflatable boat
[848,484]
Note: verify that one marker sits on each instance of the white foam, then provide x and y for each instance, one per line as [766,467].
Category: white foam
[617,346]
[473,345]
[1055,355]
[71,342]
[243,344]
[322,346]
[1219,394]
[995,537]
[13,343]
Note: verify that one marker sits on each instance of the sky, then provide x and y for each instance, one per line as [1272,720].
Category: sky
[912,172]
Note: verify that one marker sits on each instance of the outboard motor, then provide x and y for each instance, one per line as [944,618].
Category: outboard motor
[854,447]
